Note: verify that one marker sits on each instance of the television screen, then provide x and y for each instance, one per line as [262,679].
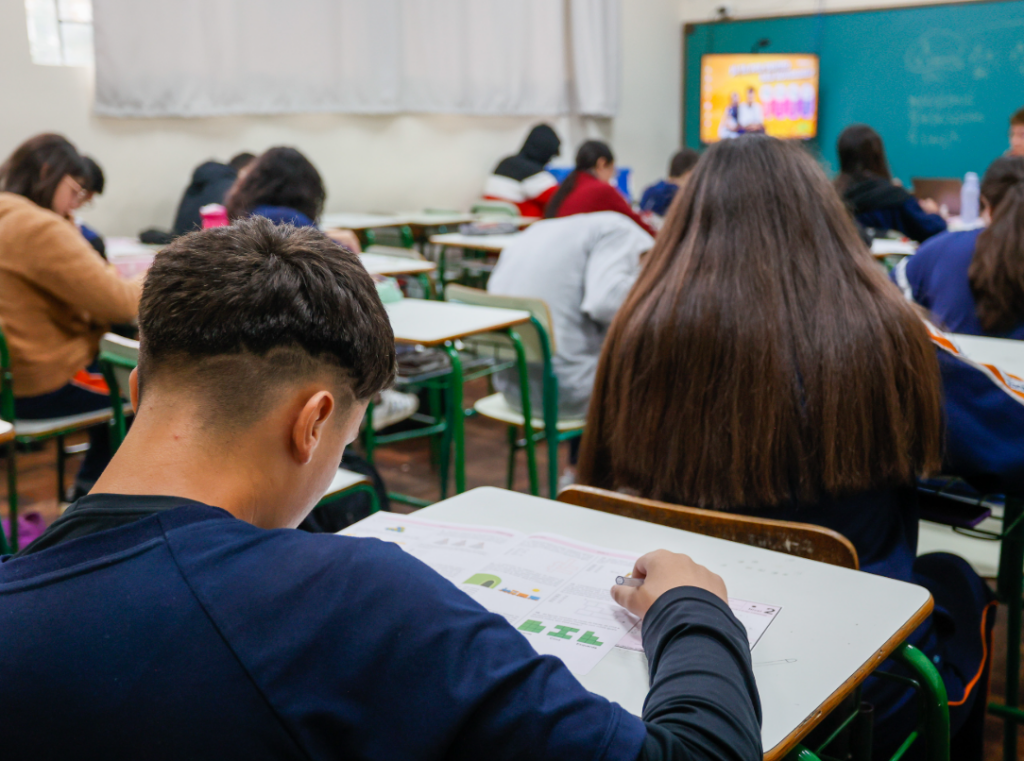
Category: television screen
[758,92]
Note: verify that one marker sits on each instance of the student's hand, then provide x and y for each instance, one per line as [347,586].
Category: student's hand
[347,238]
[661,571]
[929,206]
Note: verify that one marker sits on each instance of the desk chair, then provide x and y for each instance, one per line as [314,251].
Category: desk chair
[495,208]
[399,237]
[119,356]
[805,541]
[426,282]
[539,342]
[1009,584]
[33,431]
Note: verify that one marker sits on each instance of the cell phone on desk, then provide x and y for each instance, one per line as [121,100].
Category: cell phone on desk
[952,512]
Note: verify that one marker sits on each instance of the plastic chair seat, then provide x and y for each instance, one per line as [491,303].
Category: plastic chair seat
[344,480]
[496,408]
[56,425]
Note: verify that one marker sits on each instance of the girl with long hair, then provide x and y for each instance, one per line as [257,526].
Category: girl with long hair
[865,183]
[973,281]
[763,364]
[587,187]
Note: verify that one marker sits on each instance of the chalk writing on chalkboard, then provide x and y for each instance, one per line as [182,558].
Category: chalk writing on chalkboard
[934,119]
[935,54]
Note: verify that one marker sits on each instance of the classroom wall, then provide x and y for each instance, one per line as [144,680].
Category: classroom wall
[368,163]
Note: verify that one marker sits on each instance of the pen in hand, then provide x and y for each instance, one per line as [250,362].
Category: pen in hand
[626,581]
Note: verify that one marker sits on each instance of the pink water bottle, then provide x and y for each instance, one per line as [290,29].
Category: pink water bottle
[214,215]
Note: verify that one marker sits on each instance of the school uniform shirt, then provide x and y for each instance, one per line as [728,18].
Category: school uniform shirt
[162,628]
[283,215]
[658,197]
[583,267]
[936,278]
[590,195]
[57,296]
[210,183]
[522,179]
[877,203]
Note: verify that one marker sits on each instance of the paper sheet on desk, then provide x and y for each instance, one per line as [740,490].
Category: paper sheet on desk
[754,616]
[554,590]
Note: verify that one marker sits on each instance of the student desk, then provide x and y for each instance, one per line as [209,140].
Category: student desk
[492,245]
[438,323]
[389,266]
[358,222]
[835,627]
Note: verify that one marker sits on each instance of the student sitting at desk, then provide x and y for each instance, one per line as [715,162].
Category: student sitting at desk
[659,196]
[866,185]
[973,281]
[582,266]
[588,188]
[762,364]
[210,183]
[522,179]
[181,618]
[283,186]
[57,296]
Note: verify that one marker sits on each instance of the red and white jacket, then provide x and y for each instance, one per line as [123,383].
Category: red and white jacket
[530,195]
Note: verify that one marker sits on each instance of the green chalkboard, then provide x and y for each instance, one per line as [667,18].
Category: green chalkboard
[938,82]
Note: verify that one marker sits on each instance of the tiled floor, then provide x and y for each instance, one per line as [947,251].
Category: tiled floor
[406,468]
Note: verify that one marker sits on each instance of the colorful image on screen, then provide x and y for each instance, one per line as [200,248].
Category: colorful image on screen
[760,92]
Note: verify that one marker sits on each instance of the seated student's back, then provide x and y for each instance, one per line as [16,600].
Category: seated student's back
[866,186]
[174,613]
[763,364]
[973,281]
[582,267]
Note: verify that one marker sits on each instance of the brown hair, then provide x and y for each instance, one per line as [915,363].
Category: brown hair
[997,267]
[238,311]
[1017,118]
[762,357]
[861,155]
[38,165]
[281,176]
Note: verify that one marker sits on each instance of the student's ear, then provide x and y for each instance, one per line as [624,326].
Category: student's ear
[308,429]
[133,389]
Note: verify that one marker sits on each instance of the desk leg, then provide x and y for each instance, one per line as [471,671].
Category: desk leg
[1010,588]
[524,393]
[934,703]
[800,753]
[457,419]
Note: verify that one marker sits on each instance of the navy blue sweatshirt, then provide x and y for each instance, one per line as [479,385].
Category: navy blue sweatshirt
[936,278]
[177,631]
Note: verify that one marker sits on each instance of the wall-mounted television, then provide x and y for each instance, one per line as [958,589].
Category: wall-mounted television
[758,92]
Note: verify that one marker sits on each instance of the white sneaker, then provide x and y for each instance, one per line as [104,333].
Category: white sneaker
[394,407]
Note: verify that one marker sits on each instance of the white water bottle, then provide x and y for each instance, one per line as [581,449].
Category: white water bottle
[970,197]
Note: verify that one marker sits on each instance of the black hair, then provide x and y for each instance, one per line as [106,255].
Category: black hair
[94,179]
[861,155]
[682,162]
[239,311]
[280,177]
[241,160]
[586,159]
[38,165]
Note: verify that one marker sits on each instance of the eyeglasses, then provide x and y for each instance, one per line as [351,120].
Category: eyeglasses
[80,193]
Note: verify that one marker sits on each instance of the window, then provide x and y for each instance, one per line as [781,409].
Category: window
[60,32]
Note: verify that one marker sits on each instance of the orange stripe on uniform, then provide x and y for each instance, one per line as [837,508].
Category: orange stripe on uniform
[91,382]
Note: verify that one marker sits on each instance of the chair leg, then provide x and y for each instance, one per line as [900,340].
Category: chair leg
[934,718]
[553,465]
[12,498]
[513,435]
[61,463]
[800,753]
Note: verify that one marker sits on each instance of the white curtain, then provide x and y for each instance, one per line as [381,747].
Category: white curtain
[194,58]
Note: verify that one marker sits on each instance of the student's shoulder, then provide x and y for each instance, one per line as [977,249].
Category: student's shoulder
[943,250]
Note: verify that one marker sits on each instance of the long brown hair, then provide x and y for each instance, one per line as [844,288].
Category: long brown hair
[38,165]
[997,267]
[762,357]
[861,155]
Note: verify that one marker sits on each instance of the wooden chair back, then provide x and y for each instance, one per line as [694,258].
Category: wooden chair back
[803,540]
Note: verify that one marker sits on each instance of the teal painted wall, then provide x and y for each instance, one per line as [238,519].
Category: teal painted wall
[938,82]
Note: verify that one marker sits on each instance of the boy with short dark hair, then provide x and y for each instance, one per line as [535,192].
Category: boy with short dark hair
[659,196]
[172,614]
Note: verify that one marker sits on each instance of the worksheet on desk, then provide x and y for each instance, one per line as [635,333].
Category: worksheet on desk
[554,590]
